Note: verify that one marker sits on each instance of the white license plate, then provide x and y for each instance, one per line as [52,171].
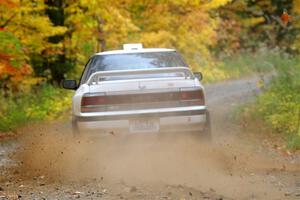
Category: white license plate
[144,125]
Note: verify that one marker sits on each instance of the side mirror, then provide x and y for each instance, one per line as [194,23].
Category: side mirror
[70,84]
[198,75]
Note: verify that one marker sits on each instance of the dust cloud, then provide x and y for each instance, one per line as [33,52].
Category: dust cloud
[139,159]
[131,158]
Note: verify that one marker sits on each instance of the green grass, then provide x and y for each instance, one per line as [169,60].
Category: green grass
[293,142]
[43,103]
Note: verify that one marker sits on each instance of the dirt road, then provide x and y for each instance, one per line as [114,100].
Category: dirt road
[48,164]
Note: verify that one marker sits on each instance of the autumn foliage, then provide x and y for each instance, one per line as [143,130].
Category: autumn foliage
[54,39]
[13,65]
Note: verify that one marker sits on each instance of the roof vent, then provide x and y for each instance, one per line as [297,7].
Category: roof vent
[132,47]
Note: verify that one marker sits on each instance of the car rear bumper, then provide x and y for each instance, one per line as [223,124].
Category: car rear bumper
[173,120]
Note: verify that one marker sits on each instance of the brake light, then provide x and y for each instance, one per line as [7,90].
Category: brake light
[93,100]
[192,95]
[185,95]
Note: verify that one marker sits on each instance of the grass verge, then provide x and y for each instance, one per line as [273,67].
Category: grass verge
[277,109]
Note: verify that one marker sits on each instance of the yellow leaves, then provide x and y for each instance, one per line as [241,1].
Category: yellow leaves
[194,34]
[296,7]
[99,20]
[204,4]
[185,25]
[213,4]
[30,24]
[40,26]
[58,105]
[280,109]
[213,74]
[295,21]
[252,21]
[158,39]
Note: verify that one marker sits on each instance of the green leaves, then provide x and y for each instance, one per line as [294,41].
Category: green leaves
[11,49]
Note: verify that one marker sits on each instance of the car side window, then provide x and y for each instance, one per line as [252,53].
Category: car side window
[84,75]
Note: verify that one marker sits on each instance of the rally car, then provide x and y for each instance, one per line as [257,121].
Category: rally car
[138,90]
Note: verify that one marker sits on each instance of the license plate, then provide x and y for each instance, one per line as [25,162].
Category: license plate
[144,125]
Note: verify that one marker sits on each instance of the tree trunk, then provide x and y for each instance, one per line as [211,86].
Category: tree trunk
[56,63]
[101,46]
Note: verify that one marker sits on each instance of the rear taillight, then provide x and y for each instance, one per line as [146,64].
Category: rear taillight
[93,100]
[193,95]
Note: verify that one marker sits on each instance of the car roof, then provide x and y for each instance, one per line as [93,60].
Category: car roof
[143,50]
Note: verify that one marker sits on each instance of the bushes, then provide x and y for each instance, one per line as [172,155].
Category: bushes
[45,102]
[279,106]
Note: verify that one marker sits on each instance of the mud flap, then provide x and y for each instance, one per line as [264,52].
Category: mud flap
[75,129]
[207,129]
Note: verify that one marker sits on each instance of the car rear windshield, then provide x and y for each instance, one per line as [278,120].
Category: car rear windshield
[132,61]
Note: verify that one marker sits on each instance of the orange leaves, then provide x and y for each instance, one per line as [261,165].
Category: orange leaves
[13,65]
[10,72]
[8,3]
[4,56]
[285,18]
[26,69]
[6,67]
